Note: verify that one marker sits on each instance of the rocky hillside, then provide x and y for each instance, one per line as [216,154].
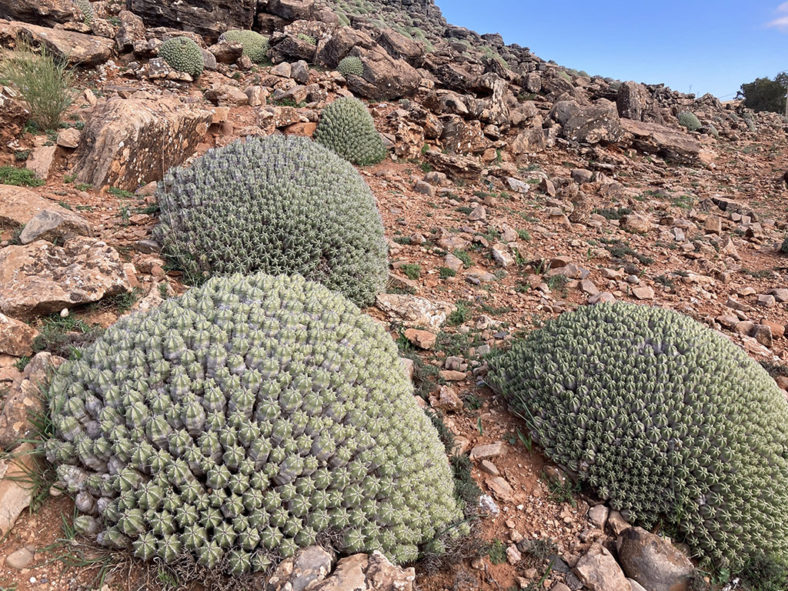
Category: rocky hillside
[513,190]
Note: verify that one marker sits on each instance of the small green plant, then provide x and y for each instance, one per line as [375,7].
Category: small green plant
[22,362]
[461,313]
[472,402]
[411,270]
[613,213]
[44,80]
[464,257]
[561,491]
[21,155]
[524,235]
[689,120]
[446,272]
[307,38]
[539,550]
[558,283]
[764,572]
[21,177]
[184,55]
[255,45]
[121,193]
[351,65]
[497,552]
[65,336]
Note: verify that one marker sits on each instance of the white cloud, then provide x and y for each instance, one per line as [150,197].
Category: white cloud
[781,24]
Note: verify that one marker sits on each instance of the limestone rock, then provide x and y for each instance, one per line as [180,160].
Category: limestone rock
[446,399]
[130,31]
[653,138]
[40,278]
[423,339]
[42,12]
[16,338]
[599,571]
[20,559]
[68,138]
[590,124]
[77,48]
[54,223]
[414,311]
[384,78]
[209,18]
[18,206]
[653,561]
[131,142]
[40,161]
[15,492]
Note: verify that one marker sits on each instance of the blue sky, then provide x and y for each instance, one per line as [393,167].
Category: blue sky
[692,46]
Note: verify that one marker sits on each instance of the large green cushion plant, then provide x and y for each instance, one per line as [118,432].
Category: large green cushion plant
[664,418]
[347,128]
[279,205]
[252,416]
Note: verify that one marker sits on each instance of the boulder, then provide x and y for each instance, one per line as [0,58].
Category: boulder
[653,561]
[16,338]
[39,217]
[130,31]
[455,166]
[400,47]
[385,78]
[588,124]
[599,571]
[671,144]
[209,18]
[291,10]
[77,48]
[338,44]
[42,12]
[633,101]
[130,142]
[41,278]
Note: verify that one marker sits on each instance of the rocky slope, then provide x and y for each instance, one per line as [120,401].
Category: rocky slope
[515,190]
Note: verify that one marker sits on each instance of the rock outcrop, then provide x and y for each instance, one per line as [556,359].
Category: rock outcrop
[209,19]
[130,142]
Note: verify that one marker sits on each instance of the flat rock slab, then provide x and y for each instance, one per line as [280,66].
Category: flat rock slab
[15,492]
[653,561]
[43,12]
[78,48]
[413,311]
[131,142]
[18,206]
[671,144]
[599,571]
[208,18]
[41,278]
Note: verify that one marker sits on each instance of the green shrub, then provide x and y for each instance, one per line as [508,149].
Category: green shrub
[184,55]
[243,421]
[254,44]
[275,204]
[351,65]
[664,418]
[86,9]
[22,177]
[347,128]
[45,82]
[765,94]
[689,120]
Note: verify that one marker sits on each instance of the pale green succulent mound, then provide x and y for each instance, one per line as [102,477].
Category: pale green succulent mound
[254,44]
[689,120]
[351,65]
[279,205]
[246,419]
[86,10]
[347,128]
[664,418]
[184,55]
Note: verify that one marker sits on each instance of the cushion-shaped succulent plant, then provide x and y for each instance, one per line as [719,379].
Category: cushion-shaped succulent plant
[689,120]
[279,205]
[351,65]
[664,418]
[184,55]
[254,44]
[86,10]
[347,128]
[242,421]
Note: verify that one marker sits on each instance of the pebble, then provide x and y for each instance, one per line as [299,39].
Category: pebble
[20,559]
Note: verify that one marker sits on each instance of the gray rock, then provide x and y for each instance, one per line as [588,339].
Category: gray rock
[590,124]
[54,223]
[653,561]
[384,78]
[76,48]
[68,138]
[42,12]
[598,515]
[131,30]
[300,72]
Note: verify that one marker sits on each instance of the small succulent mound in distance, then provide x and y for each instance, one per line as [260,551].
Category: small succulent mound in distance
[86,9]
[279,205]
[254,44]
[689,120]
[664,418]
[347,128]
[243,421]
[184,55]
[351,65]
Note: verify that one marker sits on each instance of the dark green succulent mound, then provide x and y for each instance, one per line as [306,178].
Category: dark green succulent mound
[244,420]
[664,418]
[347,128]
[184,55]
[254,44]
[279,205]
